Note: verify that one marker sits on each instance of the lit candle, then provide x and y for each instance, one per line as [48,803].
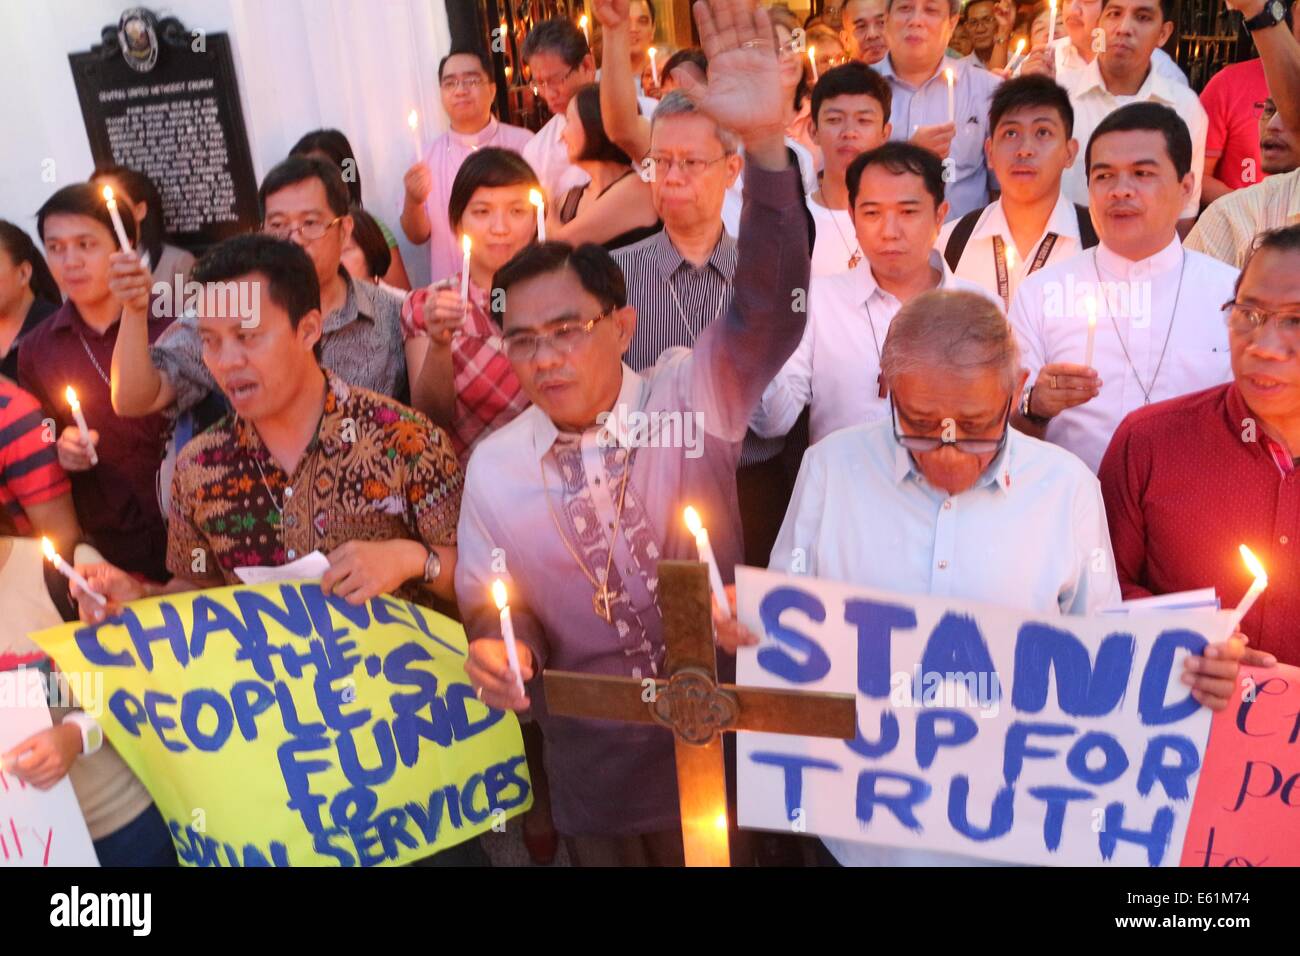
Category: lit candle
[812,61]
[75,404]
[117,219]
[582,22]
[535,197]
[1051,22]
[464,272]
[413,121]
[1017,56]
[697,528]
[508,632]
[1256,589]
[69,572]
[1092,331]
[952,96]
[654,67]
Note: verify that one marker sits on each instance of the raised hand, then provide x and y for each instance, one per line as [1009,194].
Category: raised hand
[612,14]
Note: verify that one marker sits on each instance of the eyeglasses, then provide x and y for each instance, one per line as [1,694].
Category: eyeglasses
[1267,109]
[552,84]
[972,446]
[469,82]
[1246,319]
[790,47]
[565,338]
[311,230]
[690,167]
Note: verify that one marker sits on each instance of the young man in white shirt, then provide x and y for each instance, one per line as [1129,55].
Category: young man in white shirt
[896,192]
[1083,38]
[1123,73]
[1160,331]
[850,114]
[561,64]
[1031,224]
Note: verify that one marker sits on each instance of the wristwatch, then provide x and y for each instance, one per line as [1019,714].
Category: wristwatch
[1274,12]
[92,735]
[1025,403]
[432,567]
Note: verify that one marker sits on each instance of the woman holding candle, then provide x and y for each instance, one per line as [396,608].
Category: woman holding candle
[459,375]
[138,192]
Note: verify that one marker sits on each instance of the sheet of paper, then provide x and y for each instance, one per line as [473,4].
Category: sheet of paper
[309,567]
[1202,599]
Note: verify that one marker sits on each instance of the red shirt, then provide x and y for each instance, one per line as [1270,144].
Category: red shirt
[116,500]
[1184,485]
[29,465]
[1229,100]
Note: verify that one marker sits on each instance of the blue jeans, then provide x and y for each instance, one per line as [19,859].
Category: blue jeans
[145,841]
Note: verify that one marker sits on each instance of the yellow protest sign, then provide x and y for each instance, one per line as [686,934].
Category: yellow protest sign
[276,725]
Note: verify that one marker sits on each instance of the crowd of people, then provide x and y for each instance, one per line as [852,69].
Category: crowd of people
[960,300]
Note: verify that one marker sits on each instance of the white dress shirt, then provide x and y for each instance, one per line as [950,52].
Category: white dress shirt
[978,264]
[731,202]
[549,157]
[837,240]
[1031,535]
[1134,316]
[837,363]
[1068,58]
[1093,102]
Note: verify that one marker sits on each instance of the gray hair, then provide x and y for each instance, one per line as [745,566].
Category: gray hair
[954,6]
[948,332]
[677,103]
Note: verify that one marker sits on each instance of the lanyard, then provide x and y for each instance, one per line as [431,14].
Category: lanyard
[1000,263]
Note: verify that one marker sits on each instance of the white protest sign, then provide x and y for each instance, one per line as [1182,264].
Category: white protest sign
[37,828]
[982,731]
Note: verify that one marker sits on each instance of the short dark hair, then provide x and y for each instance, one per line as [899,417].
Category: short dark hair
[558,35]
[650,7]
[334,144]
[83,199]
[592,264]
[1166,9]
[18,246]
[898,157]
[1023,92]
[1284,239]
[370,240]
[141,189]
[597,146]
[298,169]
[851,79]
[690,54]
[1147,117]
[476,52]
[291,281]
[487,167]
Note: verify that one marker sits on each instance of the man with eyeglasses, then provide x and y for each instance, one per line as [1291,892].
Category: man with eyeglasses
[467,91]
[944,498]
[561,64]
[988,41]
[577,499]
[1188,480]
[305,201]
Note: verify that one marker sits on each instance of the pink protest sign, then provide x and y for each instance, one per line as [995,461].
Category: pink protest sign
[37,828]
[1247,806]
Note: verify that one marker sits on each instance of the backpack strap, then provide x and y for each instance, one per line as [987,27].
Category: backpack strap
[958,238]
[1087,234]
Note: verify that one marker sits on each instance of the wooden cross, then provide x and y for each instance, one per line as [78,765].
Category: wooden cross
[690,702]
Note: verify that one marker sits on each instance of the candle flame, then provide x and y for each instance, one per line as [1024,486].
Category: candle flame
[499,594]
[1011,258]
[535,197]
[1252,562]
[582,22]
[465,244]
[721,821]
[107,193]
[413,120]
[48,547]
[652,51]
[950,75]
[1020,46]
[71,395]
[693,521]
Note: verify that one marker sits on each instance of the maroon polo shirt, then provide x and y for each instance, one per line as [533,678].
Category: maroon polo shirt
[116,500]
[1184,486]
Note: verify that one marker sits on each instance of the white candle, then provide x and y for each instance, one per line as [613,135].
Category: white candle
[582,22]
[413,121]
[117,219]
[1256,589]
[71,396]
[1051,23]
[1017,56]
[464,272]
[508,632]
[812,61]
[696,528]
[952,96]
[1092,332]
[654,67]
[69,572]
[535,197]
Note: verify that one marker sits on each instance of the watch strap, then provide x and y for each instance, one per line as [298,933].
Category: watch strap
[92,735]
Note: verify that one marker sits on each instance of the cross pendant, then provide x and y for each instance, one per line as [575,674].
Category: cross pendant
[882,390]
[855,259]
[600,602]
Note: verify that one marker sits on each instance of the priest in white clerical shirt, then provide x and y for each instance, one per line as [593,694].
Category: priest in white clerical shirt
[896,193]
[944,498]
[560,63]
[1159,328]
